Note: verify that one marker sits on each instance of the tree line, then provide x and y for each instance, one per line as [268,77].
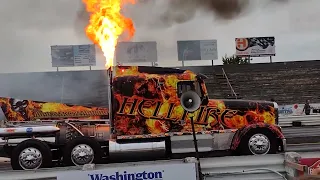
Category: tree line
[235,60]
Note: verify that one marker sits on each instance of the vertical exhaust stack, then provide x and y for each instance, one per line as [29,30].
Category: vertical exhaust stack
[276,107]
[2,118]
[110,98]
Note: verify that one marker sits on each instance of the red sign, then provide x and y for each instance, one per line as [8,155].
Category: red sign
[312,163]
[242,44]
[11,130]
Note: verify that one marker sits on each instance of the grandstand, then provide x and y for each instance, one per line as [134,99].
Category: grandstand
[286,82]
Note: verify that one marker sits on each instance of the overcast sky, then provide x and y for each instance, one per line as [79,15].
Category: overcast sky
[30,27]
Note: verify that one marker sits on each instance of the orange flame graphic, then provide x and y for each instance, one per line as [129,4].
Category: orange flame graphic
[107,24]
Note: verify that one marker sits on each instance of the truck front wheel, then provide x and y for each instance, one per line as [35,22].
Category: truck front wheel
[82,150]
[31,154]
[258,142]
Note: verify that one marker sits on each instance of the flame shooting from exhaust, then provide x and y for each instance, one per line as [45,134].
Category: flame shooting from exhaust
[107,24]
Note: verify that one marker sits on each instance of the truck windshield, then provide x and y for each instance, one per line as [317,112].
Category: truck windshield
[187,86]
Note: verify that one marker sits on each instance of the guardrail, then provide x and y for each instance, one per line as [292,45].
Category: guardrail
[305,120]
[264,167]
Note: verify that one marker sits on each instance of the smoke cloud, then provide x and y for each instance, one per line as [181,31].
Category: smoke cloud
[88,88]
[72,87]
[181,11]
[165,14]
[82,20]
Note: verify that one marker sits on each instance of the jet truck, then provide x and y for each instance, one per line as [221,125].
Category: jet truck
[146,104]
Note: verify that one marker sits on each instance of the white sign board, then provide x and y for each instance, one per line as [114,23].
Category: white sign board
[185,171]
[73,55]
[297,109]
[255,46]
[209,50]
[84,55]
[197,50]
[134,52]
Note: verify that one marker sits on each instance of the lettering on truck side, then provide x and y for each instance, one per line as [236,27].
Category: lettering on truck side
[156,175]
[139,106]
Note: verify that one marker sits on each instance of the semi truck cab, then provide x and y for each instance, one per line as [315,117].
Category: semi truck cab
[148,107]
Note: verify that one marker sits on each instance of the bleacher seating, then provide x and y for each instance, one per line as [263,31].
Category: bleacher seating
[286,82]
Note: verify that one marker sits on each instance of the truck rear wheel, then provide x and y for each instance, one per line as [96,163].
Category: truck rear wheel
[31,154]
[82,150]
[258,142]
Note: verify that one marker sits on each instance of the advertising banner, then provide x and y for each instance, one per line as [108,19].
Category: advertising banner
[197,50]
[185,171]
[73,55]
[297,109]
[134,52]
[255,46]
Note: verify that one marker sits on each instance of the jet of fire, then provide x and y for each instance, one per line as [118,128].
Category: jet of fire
[107,24]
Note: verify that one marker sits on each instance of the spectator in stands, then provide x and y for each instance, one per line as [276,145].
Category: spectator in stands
[307,108]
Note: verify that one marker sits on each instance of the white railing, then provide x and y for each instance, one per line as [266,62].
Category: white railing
[232,90]
[306,120]
[265,167]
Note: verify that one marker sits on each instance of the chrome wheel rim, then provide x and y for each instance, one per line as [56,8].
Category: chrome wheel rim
[30,158]
[82,154]
[259,144]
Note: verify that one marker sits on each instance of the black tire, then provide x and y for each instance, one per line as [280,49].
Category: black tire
[92,143]
[32,143]
[243,148]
